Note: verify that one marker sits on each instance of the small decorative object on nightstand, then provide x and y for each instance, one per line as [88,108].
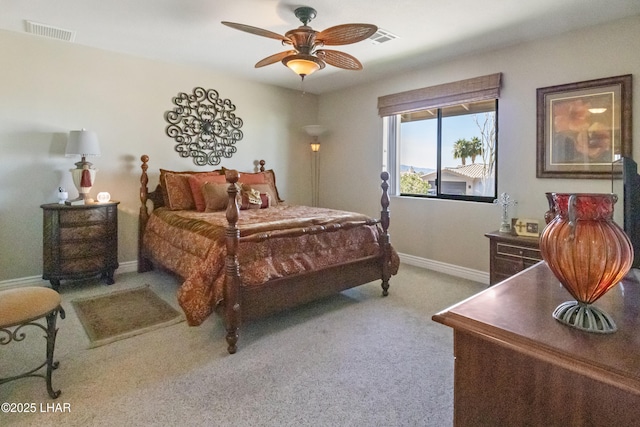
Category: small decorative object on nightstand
[79,241]
[104,197]
[62,195]
[505,201]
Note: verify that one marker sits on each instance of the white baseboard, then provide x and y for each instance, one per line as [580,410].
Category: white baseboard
[450,269]
[125,267]
[132,266]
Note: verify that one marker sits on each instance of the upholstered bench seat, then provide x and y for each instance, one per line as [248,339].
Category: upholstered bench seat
[22,307]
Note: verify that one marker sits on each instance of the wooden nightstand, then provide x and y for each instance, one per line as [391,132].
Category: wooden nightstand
[79,242]
[510,254]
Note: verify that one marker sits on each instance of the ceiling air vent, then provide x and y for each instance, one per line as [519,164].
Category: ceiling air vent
[382,36]
[50,31]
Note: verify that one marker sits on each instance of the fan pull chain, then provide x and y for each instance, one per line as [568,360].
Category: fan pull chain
[302,87]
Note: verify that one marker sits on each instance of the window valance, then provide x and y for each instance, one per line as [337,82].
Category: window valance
[460,92]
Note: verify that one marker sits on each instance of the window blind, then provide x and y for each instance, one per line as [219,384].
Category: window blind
[460,92]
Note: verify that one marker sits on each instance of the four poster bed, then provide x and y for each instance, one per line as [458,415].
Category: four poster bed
[245,254]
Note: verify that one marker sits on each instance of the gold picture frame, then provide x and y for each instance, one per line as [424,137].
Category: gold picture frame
[583,127]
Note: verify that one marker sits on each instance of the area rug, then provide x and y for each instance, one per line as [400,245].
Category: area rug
[123,314]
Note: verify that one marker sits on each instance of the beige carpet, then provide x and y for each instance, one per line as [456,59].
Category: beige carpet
[123,314]
[355,359]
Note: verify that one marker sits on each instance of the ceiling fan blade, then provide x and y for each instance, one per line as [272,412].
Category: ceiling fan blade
[339,59]
[345,34]
[274,58]
[257,31]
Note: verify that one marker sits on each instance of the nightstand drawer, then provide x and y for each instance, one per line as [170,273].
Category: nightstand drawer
[83,249]
[81,216]
[509,250]
[507,267]
[98,231]
[82,265]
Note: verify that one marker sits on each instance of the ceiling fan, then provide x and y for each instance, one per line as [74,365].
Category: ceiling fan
[305,58]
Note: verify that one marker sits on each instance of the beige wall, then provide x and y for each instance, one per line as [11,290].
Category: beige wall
[49,88]
[453,232]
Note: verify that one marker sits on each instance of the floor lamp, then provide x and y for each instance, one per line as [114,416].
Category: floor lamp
[314,131]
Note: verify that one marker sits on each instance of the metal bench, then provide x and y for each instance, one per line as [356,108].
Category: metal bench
[22,307]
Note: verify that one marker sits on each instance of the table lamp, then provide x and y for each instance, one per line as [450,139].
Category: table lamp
[82,143]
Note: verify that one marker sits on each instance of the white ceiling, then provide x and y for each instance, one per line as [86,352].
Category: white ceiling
[189,31]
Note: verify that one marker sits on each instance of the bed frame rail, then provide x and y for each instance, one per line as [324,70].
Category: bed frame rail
[301,231]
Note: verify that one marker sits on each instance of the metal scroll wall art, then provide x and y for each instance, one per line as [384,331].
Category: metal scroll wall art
[204,126]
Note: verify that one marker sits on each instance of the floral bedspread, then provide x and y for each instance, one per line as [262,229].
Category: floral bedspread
[192,244]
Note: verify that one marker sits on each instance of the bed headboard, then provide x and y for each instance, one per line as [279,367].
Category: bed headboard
[156,197]
[157,200]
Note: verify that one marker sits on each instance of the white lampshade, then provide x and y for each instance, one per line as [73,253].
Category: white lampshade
[82,143]
[314,130]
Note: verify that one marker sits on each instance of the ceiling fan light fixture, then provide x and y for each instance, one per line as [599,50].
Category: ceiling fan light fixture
[305,58]
[303,65]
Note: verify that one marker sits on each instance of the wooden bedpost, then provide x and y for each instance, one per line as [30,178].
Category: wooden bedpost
[385,240]
[143,263]
[261,163]
[232,315]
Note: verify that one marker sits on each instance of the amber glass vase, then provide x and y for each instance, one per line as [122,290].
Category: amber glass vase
[588,253]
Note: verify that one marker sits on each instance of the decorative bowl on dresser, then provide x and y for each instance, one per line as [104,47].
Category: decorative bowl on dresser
[510,254]
[79,241]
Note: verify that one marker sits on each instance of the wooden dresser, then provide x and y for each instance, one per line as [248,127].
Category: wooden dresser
[509,254]
[515,365]
[79,242]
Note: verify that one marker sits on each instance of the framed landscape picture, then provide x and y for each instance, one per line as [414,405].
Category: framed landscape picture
[583,127]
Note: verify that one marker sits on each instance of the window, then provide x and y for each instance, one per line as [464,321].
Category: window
[437,146]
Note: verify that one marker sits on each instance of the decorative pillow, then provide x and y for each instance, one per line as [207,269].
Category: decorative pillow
[215,196]
[257,196]
[196,181]
[266,177]
[270,178]
[249,204]
[251,198]
[252,178]
[176,190]
[269,190]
